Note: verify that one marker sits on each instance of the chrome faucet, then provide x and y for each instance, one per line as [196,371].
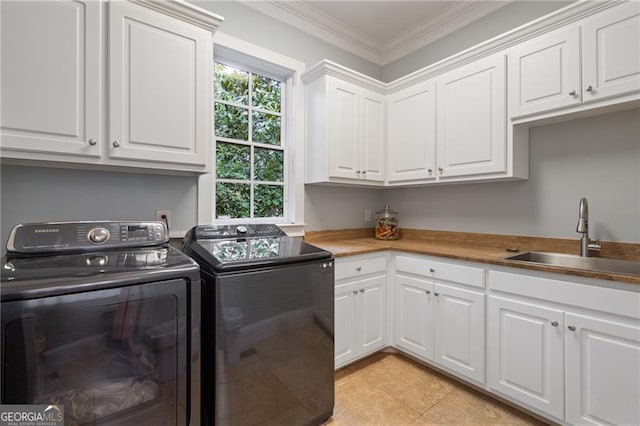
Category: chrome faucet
[586,244]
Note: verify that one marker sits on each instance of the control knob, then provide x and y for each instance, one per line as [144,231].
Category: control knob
[241,229]
[98,235]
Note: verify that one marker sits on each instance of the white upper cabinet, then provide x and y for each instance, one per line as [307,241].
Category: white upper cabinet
[587,61]
[51,78]
[155,67]
[412,133]
[346,127]
[471,119]
[544,73]
[611,52]
[159,69]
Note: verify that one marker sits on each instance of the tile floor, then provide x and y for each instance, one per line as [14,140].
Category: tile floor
[390,389]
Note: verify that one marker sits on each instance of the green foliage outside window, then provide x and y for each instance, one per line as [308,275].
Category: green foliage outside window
[246,173]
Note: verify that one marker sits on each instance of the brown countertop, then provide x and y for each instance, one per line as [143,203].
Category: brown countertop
[484,248]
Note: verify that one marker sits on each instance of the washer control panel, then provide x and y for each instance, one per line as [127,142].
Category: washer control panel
[84,236]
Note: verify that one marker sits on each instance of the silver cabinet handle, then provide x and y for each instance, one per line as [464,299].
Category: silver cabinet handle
[359,268]
[572,93]
[362,290]
[554,323]
[92,142]
[428,291]
[572,327]
[436,294]
[355,291]
[116,144]
[432,270]
[589,88]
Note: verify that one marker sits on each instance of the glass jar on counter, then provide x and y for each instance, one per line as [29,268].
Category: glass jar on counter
[387,224]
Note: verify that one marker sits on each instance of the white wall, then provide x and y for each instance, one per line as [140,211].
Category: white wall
[331,207]
[250,25]
[502,20]
[38,194]
[597,158]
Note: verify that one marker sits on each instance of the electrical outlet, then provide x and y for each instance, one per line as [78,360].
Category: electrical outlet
[166,213]
[367,215]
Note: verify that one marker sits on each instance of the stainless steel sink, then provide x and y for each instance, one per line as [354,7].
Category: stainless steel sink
[601,264]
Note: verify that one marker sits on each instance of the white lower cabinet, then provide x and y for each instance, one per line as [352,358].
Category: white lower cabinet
[439,319]
[360,307]
[567,350]
[525,354]
[602,371]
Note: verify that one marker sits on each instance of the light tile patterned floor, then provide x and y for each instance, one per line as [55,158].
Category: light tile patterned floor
[389,389]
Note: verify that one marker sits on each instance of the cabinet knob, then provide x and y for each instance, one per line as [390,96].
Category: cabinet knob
[358,171]
[572,93]
[430,171]
[364,172]
[432,270]
[428,291]
[116,144]
[589,88]
[572,327]
[554,323]
[436,294]
[92,142]
[362,290]
[359,268]
[355,291]
[440,169]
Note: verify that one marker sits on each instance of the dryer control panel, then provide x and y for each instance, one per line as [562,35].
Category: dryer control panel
[52,237]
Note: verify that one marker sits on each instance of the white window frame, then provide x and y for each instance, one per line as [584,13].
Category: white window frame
[236,52]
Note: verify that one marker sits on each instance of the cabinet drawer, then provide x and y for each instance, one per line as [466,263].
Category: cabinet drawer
[358,267]
[426,267]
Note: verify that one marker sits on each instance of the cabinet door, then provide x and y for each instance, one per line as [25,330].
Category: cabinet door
[603,371]
[412,133]
[344,119]
[472,119]
[544,73]
[160,88]
[611,52]
[372,142]
[524,347]
[372,312]
[414,316]
[345,340]
[460,330]
[51,85]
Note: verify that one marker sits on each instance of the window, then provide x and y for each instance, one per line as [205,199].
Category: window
[250,152]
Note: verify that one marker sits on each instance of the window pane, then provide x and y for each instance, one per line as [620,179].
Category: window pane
[233,161]
[231,84]
[269,165]
[232,122]
[266,93]
[268,201]
[232,200]
[266,128]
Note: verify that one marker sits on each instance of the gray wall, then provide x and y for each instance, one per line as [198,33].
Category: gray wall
[332,207]
[36,194]
[250,25]
[598,158]
[502,20]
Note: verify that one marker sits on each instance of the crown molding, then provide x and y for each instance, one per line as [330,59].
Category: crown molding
[437,26]
[327,67]
[320,25]
[306,18]
[186,12]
